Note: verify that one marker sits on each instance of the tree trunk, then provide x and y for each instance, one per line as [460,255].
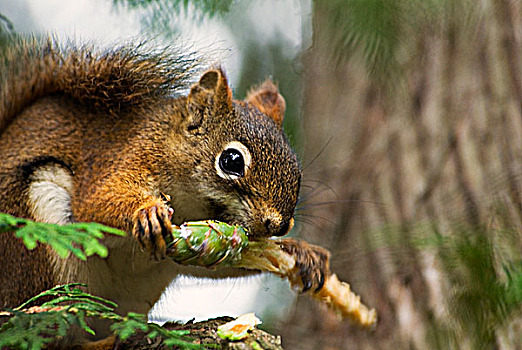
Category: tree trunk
[434,154]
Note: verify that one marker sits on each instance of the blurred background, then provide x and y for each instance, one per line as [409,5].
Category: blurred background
[407,116]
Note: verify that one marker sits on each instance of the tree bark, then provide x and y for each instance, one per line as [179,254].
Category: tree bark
[436,149]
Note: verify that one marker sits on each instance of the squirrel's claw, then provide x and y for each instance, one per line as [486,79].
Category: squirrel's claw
[312,261]
[151,226]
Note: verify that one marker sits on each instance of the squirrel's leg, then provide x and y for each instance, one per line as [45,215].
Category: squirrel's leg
[312,261]
[151,226]
[128,201]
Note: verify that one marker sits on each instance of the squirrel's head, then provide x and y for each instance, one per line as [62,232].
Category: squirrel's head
[254,175]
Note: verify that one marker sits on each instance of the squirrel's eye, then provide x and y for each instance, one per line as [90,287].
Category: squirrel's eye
[232,163]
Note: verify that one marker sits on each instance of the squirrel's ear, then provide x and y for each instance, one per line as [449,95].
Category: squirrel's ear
[269,101]
[212,92]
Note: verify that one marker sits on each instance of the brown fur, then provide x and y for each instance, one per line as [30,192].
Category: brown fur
[109,124]
[312,261]
[267,99]
[113,79]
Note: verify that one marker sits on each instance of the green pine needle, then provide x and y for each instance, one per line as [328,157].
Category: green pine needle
[70,306]
[80,239]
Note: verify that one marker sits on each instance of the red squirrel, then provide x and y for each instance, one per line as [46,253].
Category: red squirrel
[92,136]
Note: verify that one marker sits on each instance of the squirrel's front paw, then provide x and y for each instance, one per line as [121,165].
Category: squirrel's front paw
[312,261]
[151,226]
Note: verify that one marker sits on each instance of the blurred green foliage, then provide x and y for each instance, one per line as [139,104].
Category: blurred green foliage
[6,29]
[5,24]
[163,16]
[369,27]
[382,34]
[481,272]
[202,7]
[485,289]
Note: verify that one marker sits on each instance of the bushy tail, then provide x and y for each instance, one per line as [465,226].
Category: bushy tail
[113,79]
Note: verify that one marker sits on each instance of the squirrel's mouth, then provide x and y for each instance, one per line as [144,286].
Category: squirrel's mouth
[259,231]
[250,229]
[258,226]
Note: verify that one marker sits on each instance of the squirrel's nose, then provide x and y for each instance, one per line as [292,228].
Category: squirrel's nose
[278,227]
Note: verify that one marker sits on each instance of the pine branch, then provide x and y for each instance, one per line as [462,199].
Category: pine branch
[80,239]
[39,325]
